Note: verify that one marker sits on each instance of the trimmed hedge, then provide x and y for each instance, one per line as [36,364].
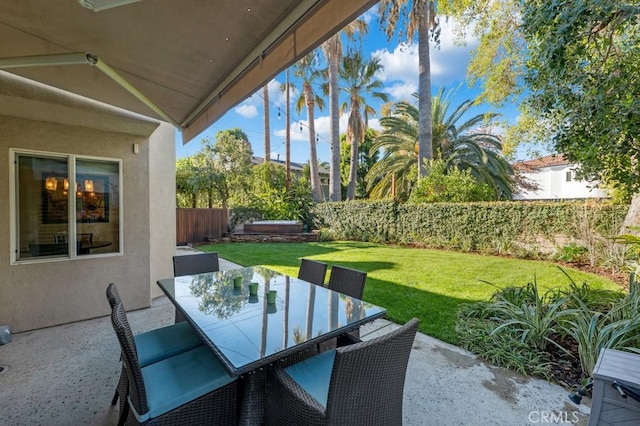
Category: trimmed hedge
[496,227]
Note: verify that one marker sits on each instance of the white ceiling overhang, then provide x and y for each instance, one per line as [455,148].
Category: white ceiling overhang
[182,61]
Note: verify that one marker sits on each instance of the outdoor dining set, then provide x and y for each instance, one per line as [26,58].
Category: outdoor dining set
[254,346]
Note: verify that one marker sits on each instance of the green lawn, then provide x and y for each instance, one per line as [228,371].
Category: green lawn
[412,282]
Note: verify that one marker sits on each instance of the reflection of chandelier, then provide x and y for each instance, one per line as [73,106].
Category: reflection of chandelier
[88,185]
[51,183]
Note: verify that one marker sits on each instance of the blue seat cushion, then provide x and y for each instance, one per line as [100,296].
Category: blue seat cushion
[314,375]
[165,342]
[175,381]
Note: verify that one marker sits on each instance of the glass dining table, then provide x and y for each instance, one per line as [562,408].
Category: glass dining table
[248,333]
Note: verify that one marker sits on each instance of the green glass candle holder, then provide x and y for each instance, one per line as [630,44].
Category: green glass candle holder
[237,282]
[253,288]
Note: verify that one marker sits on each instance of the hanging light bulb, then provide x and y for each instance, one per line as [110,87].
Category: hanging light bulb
[51,183]
[66,184]
[88,185]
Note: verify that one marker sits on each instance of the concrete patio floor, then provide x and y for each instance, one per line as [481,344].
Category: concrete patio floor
[66,375]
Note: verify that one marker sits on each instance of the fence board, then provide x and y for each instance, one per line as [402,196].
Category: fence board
[196,225]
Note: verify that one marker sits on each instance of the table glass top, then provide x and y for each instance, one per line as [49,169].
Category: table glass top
[246,329]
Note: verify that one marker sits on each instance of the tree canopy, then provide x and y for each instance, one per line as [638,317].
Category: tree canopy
[458,140]
[584,76]
[225,165]
[575,65]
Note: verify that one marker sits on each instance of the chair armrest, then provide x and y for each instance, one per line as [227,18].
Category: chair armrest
[347,339]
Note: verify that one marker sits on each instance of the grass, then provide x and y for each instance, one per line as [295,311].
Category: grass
[413,282]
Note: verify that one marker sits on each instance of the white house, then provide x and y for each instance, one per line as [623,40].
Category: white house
[555,178]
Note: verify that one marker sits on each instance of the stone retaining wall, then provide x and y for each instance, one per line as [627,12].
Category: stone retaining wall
[266,238]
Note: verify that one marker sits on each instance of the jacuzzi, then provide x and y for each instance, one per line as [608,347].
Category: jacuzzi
[273,227]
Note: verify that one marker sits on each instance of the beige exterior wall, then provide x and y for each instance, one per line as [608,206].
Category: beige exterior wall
[45,293]
[162,191]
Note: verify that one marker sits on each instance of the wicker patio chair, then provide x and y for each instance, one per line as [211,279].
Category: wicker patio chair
[360,384]
[312,271]
[191,388]
[350,282]
[153,346]
[347,281]
[190,264]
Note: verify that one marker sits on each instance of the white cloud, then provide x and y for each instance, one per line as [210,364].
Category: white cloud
[296,133]
[402,91]
[371,16]
[399,64]
[246,110]
[322,128]
[374,123]
[448,63]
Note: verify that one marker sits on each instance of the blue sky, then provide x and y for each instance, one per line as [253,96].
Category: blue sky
[400,78]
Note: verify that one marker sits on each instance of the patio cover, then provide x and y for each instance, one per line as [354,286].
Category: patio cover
[182,61]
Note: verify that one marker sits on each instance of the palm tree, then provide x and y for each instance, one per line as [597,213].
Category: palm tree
[267,131]
[359,78]
[416,17]
[307,70]
[332,49]
[460,145]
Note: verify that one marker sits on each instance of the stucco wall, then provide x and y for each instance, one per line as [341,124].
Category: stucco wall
[552,183]
[162,214]
[35,295]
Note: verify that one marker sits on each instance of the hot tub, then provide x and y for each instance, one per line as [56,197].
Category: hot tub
[273,227]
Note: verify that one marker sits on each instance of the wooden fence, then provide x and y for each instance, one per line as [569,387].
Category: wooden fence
[197,225]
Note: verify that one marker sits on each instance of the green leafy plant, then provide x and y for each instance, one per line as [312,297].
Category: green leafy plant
[503,349]
[583,295]
[593,331]
[495,227]
[528,314]
[534,323]
[453,186]
[633,241]
[572,252]
[521,325]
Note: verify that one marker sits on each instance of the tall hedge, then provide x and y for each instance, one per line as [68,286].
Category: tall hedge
[493,227]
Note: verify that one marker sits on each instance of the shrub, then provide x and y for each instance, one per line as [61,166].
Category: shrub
[517,326]
[492,227]
[572,252]
[616,329]
[502,349]
[452,186]
[533,317]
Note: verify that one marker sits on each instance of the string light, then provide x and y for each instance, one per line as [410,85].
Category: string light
[318,138]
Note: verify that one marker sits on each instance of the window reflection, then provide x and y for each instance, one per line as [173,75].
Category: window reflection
[45,226]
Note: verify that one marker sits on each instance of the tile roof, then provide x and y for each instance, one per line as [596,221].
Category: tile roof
[538,163]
